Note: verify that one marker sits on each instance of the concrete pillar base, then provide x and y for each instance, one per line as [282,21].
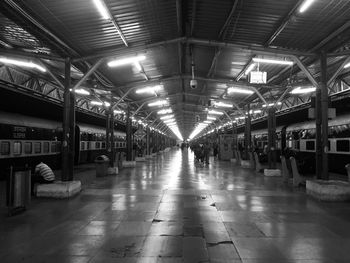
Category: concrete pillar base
[112,170]
[126,164]
[331,190]
[272,172]
[58,189]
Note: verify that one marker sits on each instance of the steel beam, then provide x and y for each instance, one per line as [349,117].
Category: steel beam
[306,71]
[337,72]
[88,73]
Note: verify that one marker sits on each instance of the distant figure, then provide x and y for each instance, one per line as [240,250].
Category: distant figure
[42,175]
[215,150]
[206,149]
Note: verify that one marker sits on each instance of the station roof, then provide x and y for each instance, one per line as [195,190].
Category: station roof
[212,42]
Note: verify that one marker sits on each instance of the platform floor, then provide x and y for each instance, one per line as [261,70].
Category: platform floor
[167,210]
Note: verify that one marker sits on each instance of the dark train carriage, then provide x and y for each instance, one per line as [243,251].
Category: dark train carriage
[26,140]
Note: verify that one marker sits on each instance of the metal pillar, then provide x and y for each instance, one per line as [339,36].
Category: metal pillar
[271,123]
[108,133]
[234,139]
[318,116]
[66,116]
[128,135]
[71,135]
[247,134]
[148,141]
[110,136]
[324,106]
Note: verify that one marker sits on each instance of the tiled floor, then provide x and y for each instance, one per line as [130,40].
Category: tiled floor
[167,210]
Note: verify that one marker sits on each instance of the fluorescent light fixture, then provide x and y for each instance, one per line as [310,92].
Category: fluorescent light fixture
[149,89]
[107,104]
[21,63]
[94,102]
[223,105]
[82,92]
[165,111]
[347,65]
[118,112]
[168,120]
[211,118]
[138,66]
[279,103]
[273,61]
[257,111]
[208,122]
[101,7]
[125,61]
[158,103]
[166,117]
[250,68]
[214,112]
[299,90]
[239,90]
[305,5]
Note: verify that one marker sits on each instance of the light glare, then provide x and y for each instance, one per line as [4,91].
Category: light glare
[125,61]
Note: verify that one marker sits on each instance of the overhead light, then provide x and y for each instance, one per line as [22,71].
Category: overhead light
[118,112]
[167,117]
[208,122]
[82,92]
[213,112]
[255,111]
[168,120]
[158,103]
[138,66]
[347,65]
[211,118]
[21,63]
[125,61]
[250,68]
[149,89]
[299,90]
[223,105]
[279,103]
[164,111]
[306,4]
[239,90]
[94,102]
[273,61]
[107,104]
[101,7]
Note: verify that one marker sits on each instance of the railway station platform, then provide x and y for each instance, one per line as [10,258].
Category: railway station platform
[169,210]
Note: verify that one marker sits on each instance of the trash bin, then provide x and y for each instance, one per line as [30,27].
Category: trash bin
[102,164]
[19,192]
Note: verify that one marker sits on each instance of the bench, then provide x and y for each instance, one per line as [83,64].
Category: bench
[297,178]
[285,171]
[258,166]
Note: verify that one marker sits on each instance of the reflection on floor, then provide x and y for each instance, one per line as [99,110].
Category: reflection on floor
[168,210]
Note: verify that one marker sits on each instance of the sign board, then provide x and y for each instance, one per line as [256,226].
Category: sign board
[139,134]
[257,77]
[312,113]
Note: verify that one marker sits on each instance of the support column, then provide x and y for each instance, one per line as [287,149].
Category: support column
[318,112]
[148,141]
[324,106]
[65,125]
[71,135]
[234,139]
[271,123]
[247,134]
[108,133]
[128,135]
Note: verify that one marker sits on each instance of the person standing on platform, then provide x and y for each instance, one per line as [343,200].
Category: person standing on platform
[42,175]
[206,152]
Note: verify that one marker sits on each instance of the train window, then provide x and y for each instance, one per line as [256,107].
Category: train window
[310,145]
[343,146]
[17,148]
[28,147]
[37,147]
[5,148]
[88,145]
[98,145]
[103,145]
[82,146]
[46,147]
[54,147]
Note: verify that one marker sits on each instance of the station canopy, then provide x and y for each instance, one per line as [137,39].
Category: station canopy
[188,59]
